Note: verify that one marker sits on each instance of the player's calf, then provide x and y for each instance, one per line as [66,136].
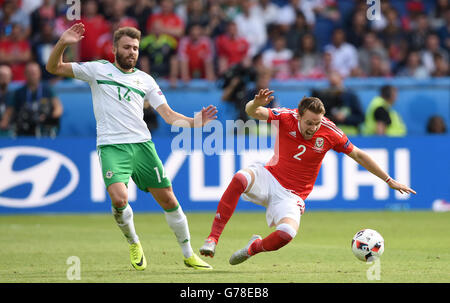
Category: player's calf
[283,234]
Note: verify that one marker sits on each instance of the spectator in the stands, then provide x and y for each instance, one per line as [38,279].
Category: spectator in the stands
[11,14]
[230,8]
[119,13]
[437,14]
[381,119]
[372,46]
[42,44]
[15,50]
[344,55]
[342,105]
[6,95]
[325,68]
[296,32]
[236,82]
[444,31]
[158,55]
[95,25]
[419,33]
[436,125]
[277,58]
[441,66]
[379,66]
[432,48]
[288,12]
[35,110]
[265,10]
[166,21]
[231,48]
[140,11]
[293,71]
[392,33]
[414,67]
[105,42]
[251,28]
[216,21]
[358,28]
[311,59]
[195,54]
[106,8]
[43,14]
[193,12]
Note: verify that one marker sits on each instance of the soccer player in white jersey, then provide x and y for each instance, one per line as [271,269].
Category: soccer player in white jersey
[123,140]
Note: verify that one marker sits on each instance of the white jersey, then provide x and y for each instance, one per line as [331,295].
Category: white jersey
[118,100]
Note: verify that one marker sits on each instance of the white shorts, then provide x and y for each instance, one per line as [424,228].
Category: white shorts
[267,191]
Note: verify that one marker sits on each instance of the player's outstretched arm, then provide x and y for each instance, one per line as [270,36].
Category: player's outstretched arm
[256,109]
[368,163]
[202,118]
[55,64]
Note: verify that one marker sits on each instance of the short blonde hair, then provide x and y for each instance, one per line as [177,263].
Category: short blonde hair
[131,32]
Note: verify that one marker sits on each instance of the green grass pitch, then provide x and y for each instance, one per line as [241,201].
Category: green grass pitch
[35,248]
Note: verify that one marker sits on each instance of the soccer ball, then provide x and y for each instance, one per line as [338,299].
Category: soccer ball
[367,245]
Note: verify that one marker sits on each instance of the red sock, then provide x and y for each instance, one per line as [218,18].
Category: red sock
[274,241]
[227,204]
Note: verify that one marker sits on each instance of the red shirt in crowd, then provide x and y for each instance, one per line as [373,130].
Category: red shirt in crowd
[168,21]
[234,50]
[8,47]
[94,28]
[196,53]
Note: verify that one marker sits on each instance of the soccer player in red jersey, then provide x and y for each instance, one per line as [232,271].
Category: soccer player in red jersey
[304,137]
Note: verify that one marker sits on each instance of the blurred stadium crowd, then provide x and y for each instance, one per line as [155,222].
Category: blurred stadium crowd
[221,39]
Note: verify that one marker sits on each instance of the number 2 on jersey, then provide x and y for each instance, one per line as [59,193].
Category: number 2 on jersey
[302,151]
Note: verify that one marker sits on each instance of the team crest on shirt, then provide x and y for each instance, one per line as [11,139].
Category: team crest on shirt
[109,174]
[318,146]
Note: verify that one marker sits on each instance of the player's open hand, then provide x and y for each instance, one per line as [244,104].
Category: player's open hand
[73,35]
[263,97]
[205,116]
[403,189]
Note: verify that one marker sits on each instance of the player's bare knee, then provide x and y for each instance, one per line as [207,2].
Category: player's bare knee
[119,201]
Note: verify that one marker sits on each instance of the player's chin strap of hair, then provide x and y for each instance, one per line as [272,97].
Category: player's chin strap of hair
[388,179]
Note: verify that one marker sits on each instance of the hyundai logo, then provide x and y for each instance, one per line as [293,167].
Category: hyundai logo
[41,176]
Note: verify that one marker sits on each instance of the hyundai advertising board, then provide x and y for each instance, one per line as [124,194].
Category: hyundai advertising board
[64,176]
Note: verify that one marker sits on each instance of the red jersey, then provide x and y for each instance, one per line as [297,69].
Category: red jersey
[94,28]
[296,162]
[171,21]
[196,53]
[16,47]
[234,50]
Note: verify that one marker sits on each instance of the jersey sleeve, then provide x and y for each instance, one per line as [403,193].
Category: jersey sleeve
[343,145]
[155,95]
[84,71]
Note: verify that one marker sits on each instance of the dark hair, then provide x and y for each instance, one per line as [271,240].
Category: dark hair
[126,31]
[432,121]
[313,104]
[386,91]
